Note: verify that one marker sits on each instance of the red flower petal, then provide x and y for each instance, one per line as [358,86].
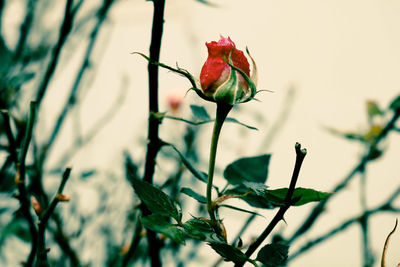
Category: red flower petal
[210,76]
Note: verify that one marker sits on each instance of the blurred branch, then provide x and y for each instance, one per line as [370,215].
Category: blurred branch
[367,257]
[64,31]
[12,147]
[71,101]
[20,182]
[366,158]
[280,120]
[134,243]
[44,218]
[98,125]
[385,207]
[300,155]
[25,29]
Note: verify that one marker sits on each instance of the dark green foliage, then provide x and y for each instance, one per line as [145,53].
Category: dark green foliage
[304,196]
[191,193]
[156,200]
[201,230]
[159,224]
[228,252]
[250,169]
[200,112]
[273,255]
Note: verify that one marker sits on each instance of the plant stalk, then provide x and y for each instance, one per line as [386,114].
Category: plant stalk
[222,113]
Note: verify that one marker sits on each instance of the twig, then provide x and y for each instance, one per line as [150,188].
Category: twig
[134,243]
[25,29]
[300,154]
[11,140]
[383,261]
[367,157]
[386,206]
[65,29]
[20,182]
[41,242]
[367,253]
[153,145]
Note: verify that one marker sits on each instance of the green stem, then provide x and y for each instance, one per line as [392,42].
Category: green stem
[222,112]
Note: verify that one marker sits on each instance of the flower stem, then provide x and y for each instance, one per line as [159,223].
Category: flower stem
[222,112]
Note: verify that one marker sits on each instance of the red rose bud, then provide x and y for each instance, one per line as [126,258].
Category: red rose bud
[225,75]
[36,206]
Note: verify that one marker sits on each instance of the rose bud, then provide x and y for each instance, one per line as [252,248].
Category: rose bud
[36,206]
[225,76]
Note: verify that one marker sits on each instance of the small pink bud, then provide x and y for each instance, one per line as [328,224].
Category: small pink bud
[63,198]
[36,206]
[174,101]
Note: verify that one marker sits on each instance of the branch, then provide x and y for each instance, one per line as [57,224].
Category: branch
[44,218]
[300,154]
[64,31]
[20,182]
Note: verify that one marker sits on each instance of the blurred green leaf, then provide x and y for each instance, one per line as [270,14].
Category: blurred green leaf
[273,255]
[395,104]
[20,79]
[305,195]
[200,112]
[240,123]
[373,109]
[193,194]
[251,169]
[228,252]
[156,200]
[158,224]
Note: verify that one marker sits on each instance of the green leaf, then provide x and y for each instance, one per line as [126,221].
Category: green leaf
[305,195]
[273,255]
[240,123]
[200,112]
[228,252]
[395,104]
[373,109]
[156,200]
[239,209]
[191,193]
[254,200]
[199,175]
[200,230]
[251,169]
[158,224]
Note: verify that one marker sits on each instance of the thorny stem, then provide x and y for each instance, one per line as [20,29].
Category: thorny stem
[222,112]
[153,145]
[300,154]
